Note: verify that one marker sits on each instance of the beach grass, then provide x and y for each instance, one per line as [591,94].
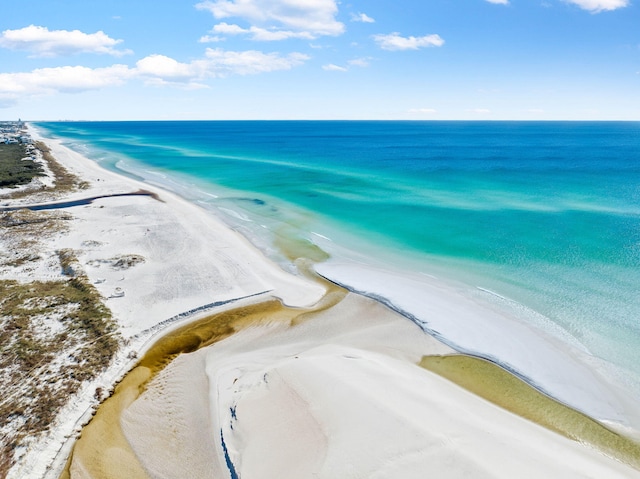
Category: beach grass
[502,388]
[43,321]
[65,181]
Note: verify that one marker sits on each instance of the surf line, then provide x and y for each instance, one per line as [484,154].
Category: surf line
[81,202]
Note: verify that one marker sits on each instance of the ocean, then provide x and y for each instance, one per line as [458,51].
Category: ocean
[539,220]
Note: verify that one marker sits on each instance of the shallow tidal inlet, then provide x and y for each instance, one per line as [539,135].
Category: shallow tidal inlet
[250,373]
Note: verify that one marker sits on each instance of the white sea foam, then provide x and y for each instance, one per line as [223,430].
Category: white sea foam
[320,236]
[235,214]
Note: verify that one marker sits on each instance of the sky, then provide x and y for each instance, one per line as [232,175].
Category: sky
[320,59]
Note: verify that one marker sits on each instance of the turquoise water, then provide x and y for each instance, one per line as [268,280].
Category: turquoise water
[544,213]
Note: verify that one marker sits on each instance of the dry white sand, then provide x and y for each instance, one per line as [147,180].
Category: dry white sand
[337,396]
[190,257]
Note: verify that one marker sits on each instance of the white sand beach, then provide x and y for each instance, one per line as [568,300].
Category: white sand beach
[337,393]
[482,326]
[189,259]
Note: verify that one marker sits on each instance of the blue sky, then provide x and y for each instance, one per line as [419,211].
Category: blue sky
[320,59]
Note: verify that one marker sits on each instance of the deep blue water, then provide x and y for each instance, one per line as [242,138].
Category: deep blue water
[545,213]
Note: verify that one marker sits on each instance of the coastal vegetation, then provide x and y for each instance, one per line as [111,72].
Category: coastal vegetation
[64,180]
[41,323]
[16,167]
[54,334]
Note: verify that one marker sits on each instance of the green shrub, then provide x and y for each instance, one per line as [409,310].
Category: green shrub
[14,170]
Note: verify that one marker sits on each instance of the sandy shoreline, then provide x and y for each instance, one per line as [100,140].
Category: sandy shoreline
[187,259]
[481,325]
[335,393]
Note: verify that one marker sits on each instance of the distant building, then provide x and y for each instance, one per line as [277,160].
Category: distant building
[13,132]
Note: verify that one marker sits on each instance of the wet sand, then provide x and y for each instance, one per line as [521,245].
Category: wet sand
[103,451]
[270,391]
[502,388]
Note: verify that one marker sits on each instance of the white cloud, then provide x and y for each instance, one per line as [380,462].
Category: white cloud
[46,81]
[159,69]
[333,68]
[210,39]
[227,29]
[479,111]
[393,41]
[257,33]
[222,63]
[313,17]
[360,62]
[596,6]
[423,111]
[499,2]
[43,42]
[262,34]
[161,66]
[361,17]
[153,69]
